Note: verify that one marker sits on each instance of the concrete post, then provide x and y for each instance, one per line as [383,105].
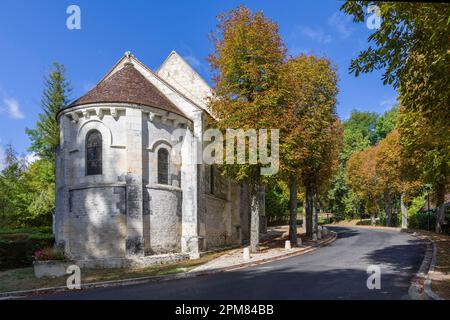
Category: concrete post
[246,254]
[287,245]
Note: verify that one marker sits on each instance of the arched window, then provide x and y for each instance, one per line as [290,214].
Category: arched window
[163,166]
[93,153]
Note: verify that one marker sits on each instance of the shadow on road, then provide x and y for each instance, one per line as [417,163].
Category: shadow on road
[399,257]
[344,232]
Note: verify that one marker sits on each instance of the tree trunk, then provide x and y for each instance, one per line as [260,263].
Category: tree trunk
[372,218]
[315,202]
[404,211]
[440,207]
[293,210]
[388,208]
[254,224]
[262,209]
[308,211]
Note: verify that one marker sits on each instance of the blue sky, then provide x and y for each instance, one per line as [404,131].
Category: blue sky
[34,33]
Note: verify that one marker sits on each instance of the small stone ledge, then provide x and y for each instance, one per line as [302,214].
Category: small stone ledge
[51,269]
[158,259]
[163,187]
[135,262]
[97,185]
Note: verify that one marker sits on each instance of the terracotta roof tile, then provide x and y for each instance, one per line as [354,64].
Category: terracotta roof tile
[127,85]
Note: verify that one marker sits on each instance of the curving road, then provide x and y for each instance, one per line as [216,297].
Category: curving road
[337,271]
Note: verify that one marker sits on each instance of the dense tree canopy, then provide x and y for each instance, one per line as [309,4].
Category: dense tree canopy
[311,131]
[27,190]
[248,55]
[412,48]
[45,137]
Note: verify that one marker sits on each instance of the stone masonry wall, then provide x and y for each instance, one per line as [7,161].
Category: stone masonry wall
[97,223]
[162,220]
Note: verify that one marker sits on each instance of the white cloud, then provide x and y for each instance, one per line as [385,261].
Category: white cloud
[387,104]
[13,108]
[31,157]
[341,23]
[317,35]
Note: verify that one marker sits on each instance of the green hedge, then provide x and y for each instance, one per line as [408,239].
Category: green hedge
[17,249]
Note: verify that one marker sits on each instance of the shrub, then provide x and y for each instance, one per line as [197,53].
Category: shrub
[17,249]
[49,253]
[277,205]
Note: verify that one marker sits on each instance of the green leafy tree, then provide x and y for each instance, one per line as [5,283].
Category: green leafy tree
[412,48]
[45,137]
[248,54]
[359,134]
[12,206]
[386,123]
[39,187]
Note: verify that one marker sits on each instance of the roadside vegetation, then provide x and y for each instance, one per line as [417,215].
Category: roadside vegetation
[20,279]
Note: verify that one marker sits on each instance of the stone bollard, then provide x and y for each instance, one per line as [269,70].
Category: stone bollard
[299,242]
[314,237]
[319,235]
[287,245]
[246,253]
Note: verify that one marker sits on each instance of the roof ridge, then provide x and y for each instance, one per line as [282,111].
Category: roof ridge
[127,85]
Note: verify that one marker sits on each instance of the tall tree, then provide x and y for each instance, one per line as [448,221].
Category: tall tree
[12,206]
[248,54]
[412,47]
[359,134]
[45,137]
[38,180]
[311,132]
[362,177]
[389,171]
[386,123]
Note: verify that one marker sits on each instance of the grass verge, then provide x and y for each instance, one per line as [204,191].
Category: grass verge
[24,279]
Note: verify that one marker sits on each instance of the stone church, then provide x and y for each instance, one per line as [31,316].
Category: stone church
[120,194]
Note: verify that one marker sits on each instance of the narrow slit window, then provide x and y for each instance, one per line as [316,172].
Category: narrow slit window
[163,166]
[93,153]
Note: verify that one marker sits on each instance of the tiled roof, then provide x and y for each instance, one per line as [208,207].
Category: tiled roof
[127,85]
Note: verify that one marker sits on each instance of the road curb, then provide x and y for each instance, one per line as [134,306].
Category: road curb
[418,291]
[150,279]
[427,285]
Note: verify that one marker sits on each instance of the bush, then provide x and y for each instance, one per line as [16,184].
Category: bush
[17,249]
[49,253]
[277,205]
[419,220]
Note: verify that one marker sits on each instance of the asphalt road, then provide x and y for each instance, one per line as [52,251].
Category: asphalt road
[338,271]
